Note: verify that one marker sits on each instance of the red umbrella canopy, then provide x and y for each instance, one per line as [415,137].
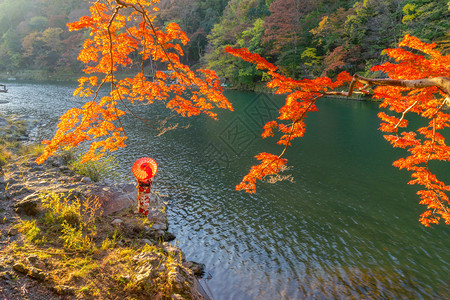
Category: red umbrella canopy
[144,168]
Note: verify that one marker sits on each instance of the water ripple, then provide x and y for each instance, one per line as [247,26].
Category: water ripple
[345,229]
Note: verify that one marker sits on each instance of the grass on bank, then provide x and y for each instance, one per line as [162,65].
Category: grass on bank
[11,147]
[103,168]
[84,255]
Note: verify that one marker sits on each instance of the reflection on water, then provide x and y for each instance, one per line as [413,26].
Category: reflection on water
[347,227]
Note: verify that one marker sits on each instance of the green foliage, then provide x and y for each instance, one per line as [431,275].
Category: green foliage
[68,209]
[251,37]
[90,261]
[110,243]
[103,168]
[290,62]
[311,61]
[410,12]
[346,34]
[74,220]
[3,159]
[30,230]
[429,20]
[38,23]
[310,56]
[240,26]
[196,18]
[74,238]
[34,35]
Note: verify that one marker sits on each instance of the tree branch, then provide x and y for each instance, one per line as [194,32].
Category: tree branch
[443,83]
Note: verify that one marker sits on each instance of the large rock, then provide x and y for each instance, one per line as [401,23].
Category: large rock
[28,205]
[152,267]
[148,265]
[114,198]
[197,268]
[111,198]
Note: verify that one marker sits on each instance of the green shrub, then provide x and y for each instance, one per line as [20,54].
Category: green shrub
[62,208]
[29,229]
[73,237]
[103,168]
[75,220]
[2,159]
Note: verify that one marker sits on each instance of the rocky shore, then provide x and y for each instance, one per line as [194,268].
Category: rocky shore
[63,236]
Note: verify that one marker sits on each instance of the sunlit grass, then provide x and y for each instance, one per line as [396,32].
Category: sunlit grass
[30,230]
[74,219]
[103,168]
[33,150]
[10,147]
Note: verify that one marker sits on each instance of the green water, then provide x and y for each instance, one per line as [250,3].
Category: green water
[347,227]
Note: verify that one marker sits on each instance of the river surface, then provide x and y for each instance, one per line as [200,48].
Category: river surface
[346,228]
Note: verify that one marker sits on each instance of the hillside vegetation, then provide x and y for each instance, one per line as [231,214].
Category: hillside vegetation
[305,38]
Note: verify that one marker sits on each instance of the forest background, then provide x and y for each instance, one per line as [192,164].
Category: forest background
[304,38]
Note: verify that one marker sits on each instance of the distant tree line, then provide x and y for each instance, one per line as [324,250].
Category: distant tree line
[303,37]
[34,35]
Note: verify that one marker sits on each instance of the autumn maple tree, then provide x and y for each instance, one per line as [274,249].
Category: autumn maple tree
[418,83]
[120,30]
[123,36]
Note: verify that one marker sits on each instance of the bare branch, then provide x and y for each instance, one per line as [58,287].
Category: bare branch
[404,113]
[443,83]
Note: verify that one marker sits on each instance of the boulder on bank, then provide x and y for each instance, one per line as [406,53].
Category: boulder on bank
[27,180]
[115,197]
[28,205]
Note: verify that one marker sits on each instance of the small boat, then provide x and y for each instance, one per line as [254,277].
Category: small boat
[3,88]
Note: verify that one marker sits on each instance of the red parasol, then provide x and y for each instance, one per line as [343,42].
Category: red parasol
[144,168]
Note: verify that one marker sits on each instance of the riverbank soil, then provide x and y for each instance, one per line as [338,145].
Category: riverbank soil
[63,236]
